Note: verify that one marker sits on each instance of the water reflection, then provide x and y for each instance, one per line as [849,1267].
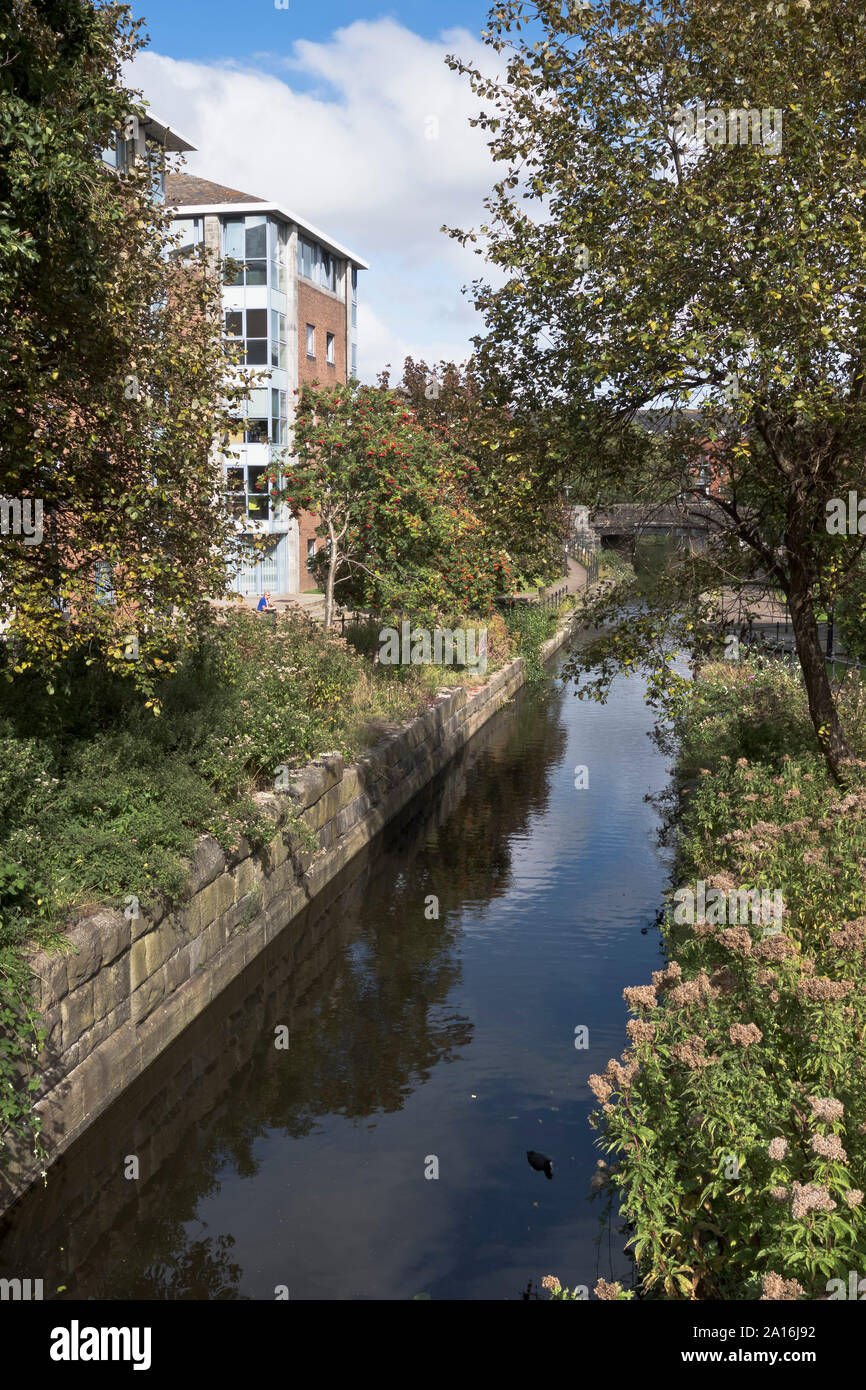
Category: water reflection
[411,1039]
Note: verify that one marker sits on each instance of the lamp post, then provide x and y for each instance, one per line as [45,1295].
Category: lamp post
[567,489]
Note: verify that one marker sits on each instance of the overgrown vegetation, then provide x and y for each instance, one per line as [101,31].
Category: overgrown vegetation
[530,627]
[738,1113]
[100,801]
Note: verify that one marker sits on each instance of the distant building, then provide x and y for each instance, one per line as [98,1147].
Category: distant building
[293,307]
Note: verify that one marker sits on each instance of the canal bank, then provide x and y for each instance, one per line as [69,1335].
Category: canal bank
[411,1037]
[135,980]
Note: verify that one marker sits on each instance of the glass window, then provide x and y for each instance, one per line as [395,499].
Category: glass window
[120,155]
[311,340]
[257,431]
[311,550]
[256,229]
[155,157]
[278,234]
[258,500]
[305,258]
[104,576]
[246,240]
[190,232]
[278,339]
[317,264]
[247,493]
[234,238]
[278,417]
[331,350]
[284,257]
[251,325]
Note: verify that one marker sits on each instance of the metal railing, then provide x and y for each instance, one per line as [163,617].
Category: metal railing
[589,560]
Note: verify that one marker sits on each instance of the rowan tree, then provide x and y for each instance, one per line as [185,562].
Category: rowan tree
[393,504]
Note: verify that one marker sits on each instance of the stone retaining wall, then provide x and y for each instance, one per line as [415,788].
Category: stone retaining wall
[130,986]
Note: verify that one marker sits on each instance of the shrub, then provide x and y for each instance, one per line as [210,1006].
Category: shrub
[740,1110]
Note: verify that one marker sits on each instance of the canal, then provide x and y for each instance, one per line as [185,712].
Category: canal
[381,1153]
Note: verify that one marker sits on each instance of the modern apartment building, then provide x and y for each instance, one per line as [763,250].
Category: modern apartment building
[145,139]
[293,307]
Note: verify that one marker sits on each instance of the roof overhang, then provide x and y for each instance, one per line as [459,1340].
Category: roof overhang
[242,209]
[164,135]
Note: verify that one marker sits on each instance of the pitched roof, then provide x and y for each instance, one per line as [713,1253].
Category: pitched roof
[190,196]
[186,190]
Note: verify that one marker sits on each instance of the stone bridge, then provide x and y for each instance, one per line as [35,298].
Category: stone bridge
[625,521]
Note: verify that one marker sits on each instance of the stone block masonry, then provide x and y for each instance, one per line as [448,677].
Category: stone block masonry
[129,986]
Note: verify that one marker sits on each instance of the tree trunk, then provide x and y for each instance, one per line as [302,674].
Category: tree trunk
[822,706]
[329,586]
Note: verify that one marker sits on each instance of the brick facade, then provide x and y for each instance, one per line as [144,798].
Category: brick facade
[327,314]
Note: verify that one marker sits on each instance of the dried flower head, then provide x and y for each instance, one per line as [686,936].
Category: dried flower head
[608,1291]
[828,1146]
[810,1197]
[640,1031]
[776,1289]
[692,1053]
[825,1109]
[694,991]
[778,1149]
[737,939]
[773,948]
[745,1034]
[599,1087]
[850,937]
[664,979]
[640,997]
[821,990]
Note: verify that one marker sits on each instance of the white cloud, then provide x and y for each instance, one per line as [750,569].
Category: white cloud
[341,136]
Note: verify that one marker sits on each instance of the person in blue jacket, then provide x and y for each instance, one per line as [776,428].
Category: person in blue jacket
[265,605]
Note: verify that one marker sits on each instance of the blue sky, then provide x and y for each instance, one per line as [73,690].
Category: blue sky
[212,30]
[346,114]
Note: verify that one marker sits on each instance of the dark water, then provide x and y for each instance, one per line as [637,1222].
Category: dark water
[411,1040]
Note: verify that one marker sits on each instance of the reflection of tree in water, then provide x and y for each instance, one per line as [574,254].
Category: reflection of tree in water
[468,859]
[367,1028]
[197,1269]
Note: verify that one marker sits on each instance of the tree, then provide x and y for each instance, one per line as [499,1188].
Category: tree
[522,462]
[696,172]
[113,379]
[392,502]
